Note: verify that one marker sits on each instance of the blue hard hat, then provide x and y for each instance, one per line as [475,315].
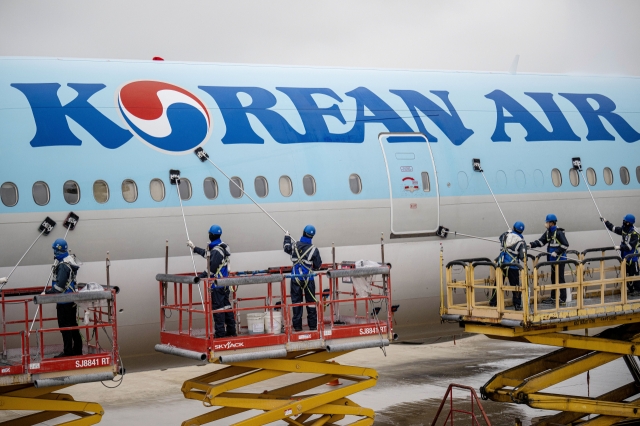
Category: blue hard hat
[551,218]
[215,230]
[310,231]
[629,218]
[518,227]
[60,245]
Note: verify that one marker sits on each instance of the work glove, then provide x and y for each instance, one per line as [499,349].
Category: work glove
[190,245]
[603,219]
[554,254]
[528,246]
[286,234]
[616,247]
[3,280]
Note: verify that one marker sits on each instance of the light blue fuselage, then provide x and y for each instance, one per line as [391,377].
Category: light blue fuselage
[63,120]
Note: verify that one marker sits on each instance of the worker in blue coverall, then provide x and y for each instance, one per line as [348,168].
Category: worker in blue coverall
[220,254]
[64,274]
[306,259]
[513,251]
[629,245]
[557,245]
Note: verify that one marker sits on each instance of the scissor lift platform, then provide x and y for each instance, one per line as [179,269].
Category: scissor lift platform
[256,356]
[596,287]
[30,373]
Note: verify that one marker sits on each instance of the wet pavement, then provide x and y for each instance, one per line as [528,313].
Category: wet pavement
[413,380]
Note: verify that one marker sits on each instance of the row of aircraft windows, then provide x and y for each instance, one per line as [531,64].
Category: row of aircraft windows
[592,176]
[101,193]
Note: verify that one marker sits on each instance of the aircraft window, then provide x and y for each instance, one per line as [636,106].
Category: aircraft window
[624,176]
[638,173]
[608,176]
[309,185]
[101,191]
[129,191]
[156,187]
[185,189]
[233,187]
[71,192]
[538,178]
[9,194]
[501,179]
[591,177]
[574,177]
[210,188]
[41,195]
[463,180]
[355,183]
[521,179]
[426,183]
[556,177]
[286,186]
[261,186]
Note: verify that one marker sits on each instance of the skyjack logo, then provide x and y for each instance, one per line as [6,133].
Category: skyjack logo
[174,120]
[228,346]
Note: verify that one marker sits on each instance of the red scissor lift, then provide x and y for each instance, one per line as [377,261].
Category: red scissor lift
[29,373]
[346,322]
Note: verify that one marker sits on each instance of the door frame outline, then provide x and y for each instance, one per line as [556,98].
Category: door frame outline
[435,172]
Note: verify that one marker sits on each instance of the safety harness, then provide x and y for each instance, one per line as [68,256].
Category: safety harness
[509,251]
[225,260]
[553,241]
[302,265]
[69,285]
[555,245]
[626,239]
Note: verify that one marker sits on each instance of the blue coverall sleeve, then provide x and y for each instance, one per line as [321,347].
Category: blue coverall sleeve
[633,241]
[562,239]
[540,241]
[200,251]
[63,274]
[316,259]
[614,229]
[522,251]
[287,245]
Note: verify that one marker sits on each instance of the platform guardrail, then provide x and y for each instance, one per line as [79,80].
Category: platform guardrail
[187,326]
[477,289]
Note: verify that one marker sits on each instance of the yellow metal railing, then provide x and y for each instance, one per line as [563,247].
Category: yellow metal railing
[477,290]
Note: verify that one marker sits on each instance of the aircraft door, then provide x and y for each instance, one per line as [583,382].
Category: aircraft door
[413,184]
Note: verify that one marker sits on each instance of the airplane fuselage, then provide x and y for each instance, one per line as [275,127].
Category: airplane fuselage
[343,149]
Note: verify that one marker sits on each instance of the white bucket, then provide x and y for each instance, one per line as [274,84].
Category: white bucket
[274,327]
[255,323]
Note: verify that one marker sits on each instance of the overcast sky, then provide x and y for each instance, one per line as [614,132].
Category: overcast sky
[551,36]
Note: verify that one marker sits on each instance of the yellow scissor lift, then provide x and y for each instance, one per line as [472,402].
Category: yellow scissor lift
[597,286]
[257,355]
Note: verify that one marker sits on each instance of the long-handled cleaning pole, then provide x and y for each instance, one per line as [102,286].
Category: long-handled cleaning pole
[174,177]
[455,233]
[478,168]
[45,228]
[577,165]
[70,223]
[203,156]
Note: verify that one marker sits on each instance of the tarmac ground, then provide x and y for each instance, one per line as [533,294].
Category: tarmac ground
[413,379]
